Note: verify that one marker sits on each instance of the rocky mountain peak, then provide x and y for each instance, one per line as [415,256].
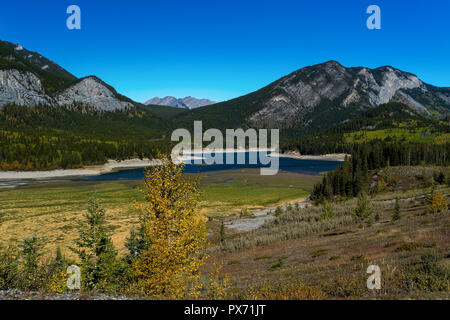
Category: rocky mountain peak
[90,91]
[184,103]
[302,95]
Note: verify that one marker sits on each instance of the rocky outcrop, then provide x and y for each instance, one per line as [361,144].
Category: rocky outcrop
[25,89]
[22,88]
[91,92]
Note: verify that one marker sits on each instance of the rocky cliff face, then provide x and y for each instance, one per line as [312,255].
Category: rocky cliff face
[25,89]
[91,92]
[330,88]
[29,79]
[22,88]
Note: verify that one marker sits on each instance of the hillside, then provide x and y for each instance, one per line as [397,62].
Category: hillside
[317,97]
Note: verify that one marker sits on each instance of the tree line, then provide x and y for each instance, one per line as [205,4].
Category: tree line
[352,177]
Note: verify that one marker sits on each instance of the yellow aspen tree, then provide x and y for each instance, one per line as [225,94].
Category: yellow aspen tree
[176,234]
[438,203]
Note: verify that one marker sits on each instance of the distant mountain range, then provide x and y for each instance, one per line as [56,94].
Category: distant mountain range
[184,103]
[311,99]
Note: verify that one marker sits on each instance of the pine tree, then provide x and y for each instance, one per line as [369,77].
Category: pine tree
[32,251]
[363,210]
[222,232]
[94,248]
[396,216]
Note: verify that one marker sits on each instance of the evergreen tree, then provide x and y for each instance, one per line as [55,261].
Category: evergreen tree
[94,248]
[396,216]
[222,232]
[363,210]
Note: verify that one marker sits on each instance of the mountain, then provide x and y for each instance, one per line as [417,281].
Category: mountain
[184,103]
[37,60]
[307,101]
[317,97]
[29,79]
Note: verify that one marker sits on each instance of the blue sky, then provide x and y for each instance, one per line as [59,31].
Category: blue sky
[223,49]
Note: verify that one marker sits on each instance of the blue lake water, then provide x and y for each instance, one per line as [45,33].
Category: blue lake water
[312,167]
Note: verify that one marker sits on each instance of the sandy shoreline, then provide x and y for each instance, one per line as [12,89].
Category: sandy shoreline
[324,157]
[8,176]
[70,173]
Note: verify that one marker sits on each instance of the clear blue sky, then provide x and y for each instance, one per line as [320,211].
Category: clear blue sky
[223,49]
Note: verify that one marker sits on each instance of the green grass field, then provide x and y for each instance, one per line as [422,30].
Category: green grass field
[422,135]
[52,210]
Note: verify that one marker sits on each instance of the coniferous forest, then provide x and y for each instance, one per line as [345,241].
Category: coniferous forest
[353,176]
[43,138]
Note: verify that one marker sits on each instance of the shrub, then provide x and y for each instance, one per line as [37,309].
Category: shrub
[9,268]
[327,211]
[363,209]
[290,225]
[344,287]
[319,253]
[286,290]
[410,246]
[438,203]
[428,274]
[218,285]
[278,211]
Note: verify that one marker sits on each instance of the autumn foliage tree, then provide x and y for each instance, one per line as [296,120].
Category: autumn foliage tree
[168,267]
[438,203]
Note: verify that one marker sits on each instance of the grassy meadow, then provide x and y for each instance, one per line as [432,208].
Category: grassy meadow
[418,135]
[52,210]
[300,256]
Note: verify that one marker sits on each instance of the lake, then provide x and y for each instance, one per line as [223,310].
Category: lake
[312,167]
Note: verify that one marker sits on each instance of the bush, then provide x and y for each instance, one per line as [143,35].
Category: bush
[9,268]
[438,203]
[410,246]
[327,211]
[286,290]
[428,274]
[344,287]
[363,210]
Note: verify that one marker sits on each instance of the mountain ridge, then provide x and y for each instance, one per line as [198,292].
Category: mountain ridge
[310,99]
[183,103]
[316,97]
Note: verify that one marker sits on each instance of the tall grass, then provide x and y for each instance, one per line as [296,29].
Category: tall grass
[290,225]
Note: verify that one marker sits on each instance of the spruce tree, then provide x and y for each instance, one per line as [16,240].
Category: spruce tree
[363,210]
[94,248]
[396,216]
